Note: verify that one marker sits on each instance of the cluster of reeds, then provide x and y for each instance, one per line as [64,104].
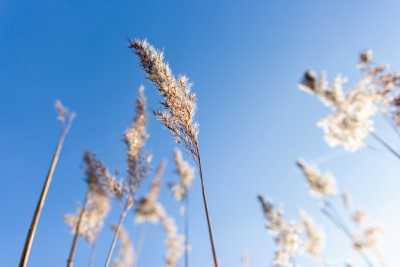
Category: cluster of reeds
[349,125]
[104,188]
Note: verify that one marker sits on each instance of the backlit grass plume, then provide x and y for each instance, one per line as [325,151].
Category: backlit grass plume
[287,235]
[186,175]
[179,102]
[353,109]
[178,108]
[323,185]
[315,241]
[138,165]
[89,219]
[135,139]
[292,238]
[320,184]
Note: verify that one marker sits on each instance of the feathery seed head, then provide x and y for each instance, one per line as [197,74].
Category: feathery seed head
[62,111]
[135,139]
[186,174]
[287,234]
[321,185]
[148,208]
[315,242]
[308,82]
[93,217]
[98,203]
[63,114]
[367,239]
[359,216]
[365,58]
[353,109]
[173,242]
[179,105]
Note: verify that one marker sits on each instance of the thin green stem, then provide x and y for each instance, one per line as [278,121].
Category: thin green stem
[35,220]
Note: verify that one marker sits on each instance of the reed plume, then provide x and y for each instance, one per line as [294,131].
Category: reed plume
[88,220]
[135,139]
[292,238]
[186,175]
[323,185]
[178,109]
[287,238]
[320,184]
[353,109]
[149,209]
[368,235]
[315,241]
[138,164]
[66,119]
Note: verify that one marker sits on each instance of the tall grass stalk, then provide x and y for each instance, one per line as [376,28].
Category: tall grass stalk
[386,145]
[178,112]
[203,190]
[36,216]
[70,261]
[117,230]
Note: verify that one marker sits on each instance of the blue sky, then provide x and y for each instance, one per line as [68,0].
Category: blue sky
[245,59]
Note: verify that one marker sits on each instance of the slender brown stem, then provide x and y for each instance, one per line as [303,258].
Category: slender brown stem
[117,230]
[206,209]
[70,261]
[31,233]
[388,147]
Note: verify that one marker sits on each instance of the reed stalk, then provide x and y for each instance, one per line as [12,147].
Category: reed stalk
[36,216]
[70,261]
[178,109]
[117,230]
[203,190]
[386,145]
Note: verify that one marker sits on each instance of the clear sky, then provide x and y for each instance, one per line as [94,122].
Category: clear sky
[245,59]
